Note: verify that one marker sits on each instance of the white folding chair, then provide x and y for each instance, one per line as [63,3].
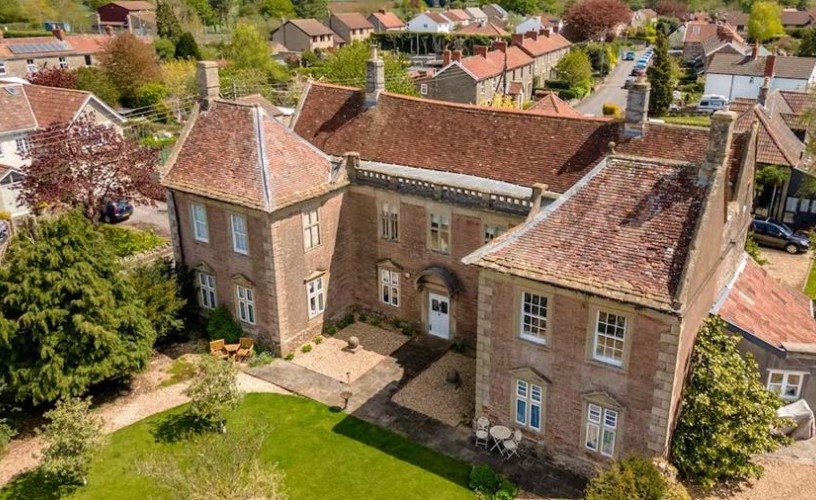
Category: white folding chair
[510,446]
[481,427]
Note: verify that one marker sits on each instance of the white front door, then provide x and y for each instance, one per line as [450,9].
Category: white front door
[438,315]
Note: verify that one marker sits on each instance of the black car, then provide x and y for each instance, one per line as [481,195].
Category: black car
[773,233]
[116,211]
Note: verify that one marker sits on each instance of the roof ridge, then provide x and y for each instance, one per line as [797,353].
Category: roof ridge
[60,89]
[770,129]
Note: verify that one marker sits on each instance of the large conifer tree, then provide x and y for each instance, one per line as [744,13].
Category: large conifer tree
[68,318]
[660,77]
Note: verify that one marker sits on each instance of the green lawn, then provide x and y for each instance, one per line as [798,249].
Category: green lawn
[323,455]
[810,287]
[695,120]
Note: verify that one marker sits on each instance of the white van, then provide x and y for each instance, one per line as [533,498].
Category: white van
[712,102]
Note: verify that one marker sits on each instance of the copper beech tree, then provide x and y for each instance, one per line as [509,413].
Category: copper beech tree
[86,164]
[595,19]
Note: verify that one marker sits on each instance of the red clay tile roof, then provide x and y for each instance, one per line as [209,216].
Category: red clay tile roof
[261,101]
[698,31]
[550,104]
[236,153]
[456,15]
[783,66]
[52,105]
[480,67]
[389,19]
[630,221]
[354,20]
[488,29]
[438,18]
[776,143]
[544,44]
[769,310]
[16,114]
[311,27]
[516,58]
[135,5]
[507,145]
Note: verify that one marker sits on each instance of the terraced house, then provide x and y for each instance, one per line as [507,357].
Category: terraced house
[578,255]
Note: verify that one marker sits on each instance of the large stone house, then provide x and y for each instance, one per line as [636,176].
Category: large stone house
[352,26]
[384,21]
[22,56]
[581,274]
[299,35]
[737,75]
[546,47]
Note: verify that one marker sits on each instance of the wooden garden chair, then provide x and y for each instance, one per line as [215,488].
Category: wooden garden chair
[217,349]
[245,349]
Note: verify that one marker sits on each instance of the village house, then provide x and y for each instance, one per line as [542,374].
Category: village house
[584,350]
[21,56]
[352,27]
[476,14]
[459,17]
[546,47]
[476,79]
[693,36]
[493,31]
[495,13]
[642,18]
[431,22]
[299,35]
[736,75]
[384,21]
[28,108]
[137,17]
[723,42]
[538,23]
[790,18]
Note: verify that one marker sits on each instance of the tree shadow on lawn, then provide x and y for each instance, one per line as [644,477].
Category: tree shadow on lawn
[404,449]
[177,427]
[34,485]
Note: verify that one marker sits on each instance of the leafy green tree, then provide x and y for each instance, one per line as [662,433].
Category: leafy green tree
[156,286]
[634,478]
[765,21]
[213,393]
[319,9]
[411,8]
[187,47]
[714,440]
[12,12]
[93,80]
[522,7]
[129,63]
[73,436]
[165,48]
[347,66]
[167,23]
[660,77]
[575,68]
[248,50]
[204,11]
[221,9]
[807,45]
[770,177]
[68,318]
[278,9]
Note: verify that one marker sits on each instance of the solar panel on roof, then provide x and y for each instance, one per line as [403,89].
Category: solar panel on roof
[30,48]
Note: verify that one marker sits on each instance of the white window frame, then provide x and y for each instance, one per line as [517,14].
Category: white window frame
[606,337]
[2,67]
[201,227]
[389,220]
[439,232]
[22,143]
[389,283]
[492,231]
[525,395]
[240,234]
[31,66]
[423,88]
[63,63]
[245,304]
[207,297]
[311,228]
[601,422]
[780,388]
[316,297]
[533,317]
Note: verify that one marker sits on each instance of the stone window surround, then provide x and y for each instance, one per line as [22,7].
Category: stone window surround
[440,211]
[205,237]
[312,226]
[390,266]
[532,377]
[319,274]
[205,269]
[542,290]
[232,215]
[248,301]
[393,201]
[605,401]
[595,306]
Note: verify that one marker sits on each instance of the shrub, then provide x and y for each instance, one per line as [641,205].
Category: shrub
[752,249]
[73,436]
[556,84]
[614,110]
[375,321]
[164,48]
[617,482]
[221,325]
[214,393]
[330,330]
[6,433]
[290,356]
[261,359]
[306,348]
[345,321]
[5,215]
[125,242]
[363,317]
[318,340]
[187,48]
[396,323]
[635,478]
[156,286]
[723,387]
[488,484]
[93,80]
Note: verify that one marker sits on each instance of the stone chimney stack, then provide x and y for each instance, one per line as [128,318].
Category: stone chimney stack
[763,91]
[375,78]
[352,161]
[637,110]
[537,199]
[755,51]
[209,86]
[719,146]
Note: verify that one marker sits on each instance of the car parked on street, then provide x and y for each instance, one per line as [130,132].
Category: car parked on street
[712,102]
[771,233]
[116,211]
[629,55]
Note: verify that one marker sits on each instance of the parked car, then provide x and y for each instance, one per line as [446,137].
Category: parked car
[712,102]
[116,211]
[638,70]
[629,55]
[630,80]
[773,233]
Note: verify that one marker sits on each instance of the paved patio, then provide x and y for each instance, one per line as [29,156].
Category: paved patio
[372,400]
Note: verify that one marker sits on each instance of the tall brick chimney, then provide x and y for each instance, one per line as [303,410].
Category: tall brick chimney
[719,145]
[209,85]
[58,33]
[480,50]
[375,78]
[637,110]
[446,57]
[456,55]
[755,51]
[770,66]
[502,46]
[532,34]
[518,38]
[545,32]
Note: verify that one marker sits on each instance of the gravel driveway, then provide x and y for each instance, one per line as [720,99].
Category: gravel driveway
[790,269]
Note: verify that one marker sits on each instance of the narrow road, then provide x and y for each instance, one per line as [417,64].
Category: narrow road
[611,92]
